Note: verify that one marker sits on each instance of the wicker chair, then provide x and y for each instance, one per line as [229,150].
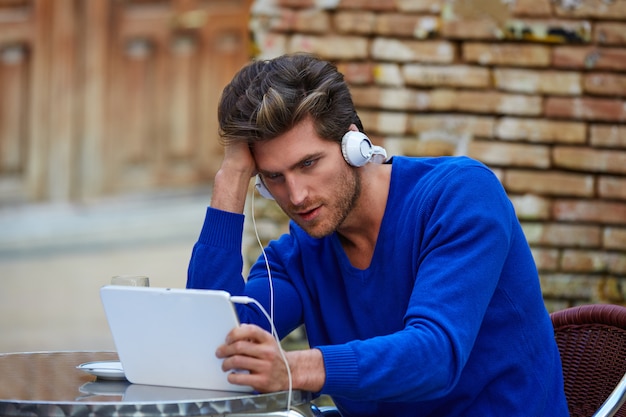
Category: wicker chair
[592,343]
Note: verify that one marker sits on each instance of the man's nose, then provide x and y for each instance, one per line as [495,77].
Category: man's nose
[297,190]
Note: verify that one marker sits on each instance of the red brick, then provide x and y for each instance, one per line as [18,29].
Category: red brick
[549,183]
[496,102]
[447,76]
[384,123]
[574,57]
[354,22]
[433,147]
[429,148]
[586,108]
[443,99]
[422,6]
[445,143]
[388,74]
[588,57]
[330,46]
[507,54]
[357,73]
[538,82]
[610,33]
[583,261]
[392,123]
[612,188]
[532,8]
[282,21]
[377,5]
[592,261]
[546,259]
[609,136]
[563,235]
[452,124]
[485,102]
[610,289]
[406,25]
[541,130]
[271,44]
[589,159]
[575,286]
[474,29]
[530,207]
[387,98]
[296,3]
[369,119]
[396,50]
[602,9]
[312,21]
[614,238]
[616,263]
[411,146]
[470,10]
[589,211]
[421,100]
[608,84]
[415,100]
[510,154]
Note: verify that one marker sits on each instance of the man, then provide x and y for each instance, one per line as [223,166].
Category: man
[413,278]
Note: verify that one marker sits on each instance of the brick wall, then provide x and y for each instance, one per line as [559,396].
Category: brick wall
[536,89]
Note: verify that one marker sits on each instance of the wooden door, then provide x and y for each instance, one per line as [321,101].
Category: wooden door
[166,63]
[24,57]
[112,96]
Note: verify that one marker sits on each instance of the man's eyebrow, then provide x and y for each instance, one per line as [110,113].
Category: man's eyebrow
[308,157]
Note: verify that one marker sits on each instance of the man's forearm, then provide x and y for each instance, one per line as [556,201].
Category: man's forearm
[229,191]
[307,369]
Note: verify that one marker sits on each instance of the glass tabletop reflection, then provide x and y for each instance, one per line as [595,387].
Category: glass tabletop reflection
[49,383]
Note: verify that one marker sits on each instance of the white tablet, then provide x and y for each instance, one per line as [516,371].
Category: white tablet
[168,337]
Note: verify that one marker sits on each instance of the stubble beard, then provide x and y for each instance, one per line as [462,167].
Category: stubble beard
[348,191]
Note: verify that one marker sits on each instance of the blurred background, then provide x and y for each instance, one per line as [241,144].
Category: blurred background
[108,132]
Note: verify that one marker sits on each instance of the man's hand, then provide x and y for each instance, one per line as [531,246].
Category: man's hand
[250,348]
[233,178]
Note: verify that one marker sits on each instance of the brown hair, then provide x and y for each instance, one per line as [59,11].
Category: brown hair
[267,98]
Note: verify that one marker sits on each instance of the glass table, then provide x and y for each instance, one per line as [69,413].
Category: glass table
[47,384]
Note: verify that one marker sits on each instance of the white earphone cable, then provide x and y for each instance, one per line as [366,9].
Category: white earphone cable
[269,316]
[267,265]
[250,300]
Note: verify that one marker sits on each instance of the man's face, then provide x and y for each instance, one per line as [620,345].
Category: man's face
[309,178]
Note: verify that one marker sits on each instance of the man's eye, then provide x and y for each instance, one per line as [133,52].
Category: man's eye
[308,163]
[272,177]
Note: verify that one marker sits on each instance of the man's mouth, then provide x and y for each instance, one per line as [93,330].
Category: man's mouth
[308,215]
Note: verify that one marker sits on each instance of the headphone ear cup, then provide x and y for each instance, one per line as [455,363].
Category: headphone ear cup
[356,148]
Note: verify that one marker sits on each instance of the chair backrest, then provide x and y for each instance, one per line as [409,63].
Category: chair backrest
[592,343]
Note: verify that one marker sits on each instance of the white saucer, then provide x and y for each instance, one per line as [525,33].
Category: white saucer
[105,369]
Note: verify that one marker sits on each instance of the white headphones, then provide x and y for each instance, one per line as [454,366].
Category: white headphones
[357,150]
[262,189]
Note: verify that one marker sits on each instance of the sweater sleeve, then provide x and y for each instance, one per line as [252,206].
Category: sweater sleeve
[216,263]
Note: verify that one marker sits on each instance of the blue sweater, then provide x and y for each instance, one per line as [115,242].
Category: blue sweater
[448,319]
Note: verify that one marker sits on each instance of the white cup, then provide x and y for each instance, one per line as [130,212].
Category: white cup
[131,280]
